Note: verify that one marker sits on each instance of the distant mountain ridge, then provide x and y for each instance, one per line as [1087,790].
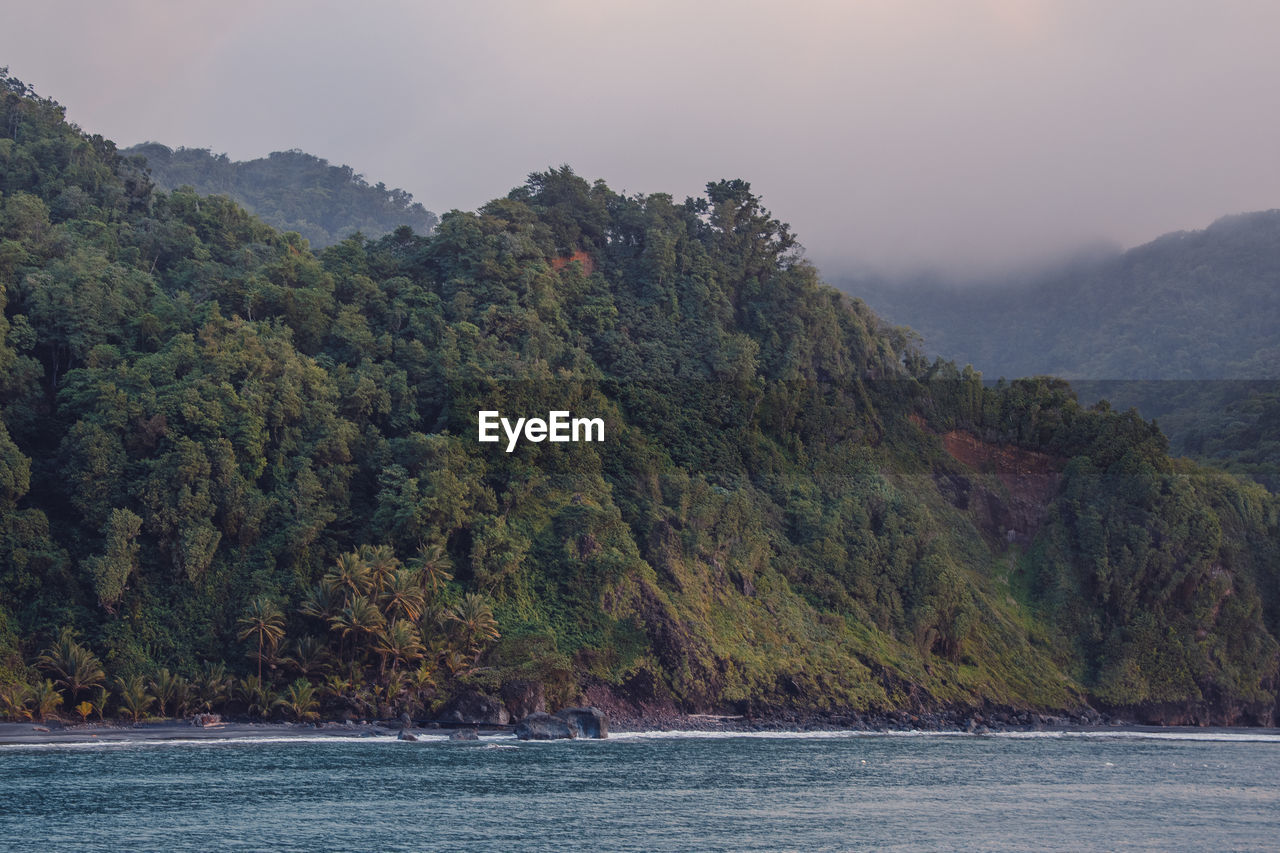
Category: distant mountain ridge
[291,191]
[1183,328]
[1188,305]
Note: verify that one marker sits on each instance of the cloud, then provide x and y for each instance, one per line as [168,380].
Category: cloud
[890,134]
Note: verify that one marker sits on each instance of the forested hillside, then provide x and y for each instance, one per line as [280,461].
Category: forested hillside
[1194,305]
[237,474]
[1183,328]
[290,191]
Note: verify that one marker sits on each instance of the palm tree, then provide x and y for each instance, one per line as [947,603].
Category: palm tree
[432,568]
[258,698]
[350,573]
[336,686]
[321,601]
[403,598]
[213,686]
[84,709]
[359,619]
[14,698]
[475,621]
[399,641]
[395,686]
[382,563]
[99,700]
[458,663]
[46,698]
[76,667]
[299,700]
[262,621]
[420,681]
[134,697]
[170,689]
[309,656]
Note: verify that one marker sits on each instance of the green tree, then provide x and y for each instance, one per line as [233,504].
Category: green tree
[257,696]
[399,642]
[133,696]
[77,668]
[15,698]
[350,573]
[382,564]
[112,569]
[213,686]
[402,597]
[262,622]
[322,600]
[45,699]
[172,692]
[309,656]
[433,569]
[299,701]
[358,621]
[475,621]
[99,700]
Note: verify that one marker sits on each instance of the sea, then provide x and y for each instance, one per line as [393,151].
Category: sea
[1108,790]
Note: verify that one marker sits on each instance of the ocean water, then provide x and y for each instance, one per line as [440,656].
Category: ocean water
[658,791]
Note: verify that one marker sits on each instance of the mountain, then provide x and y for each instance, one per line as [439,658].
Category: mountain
[224,455]
[290,191]
[1198,305]
[1182,328]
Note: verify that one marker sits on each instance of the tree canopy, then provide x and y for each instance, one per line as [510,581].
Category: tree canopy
[231,460]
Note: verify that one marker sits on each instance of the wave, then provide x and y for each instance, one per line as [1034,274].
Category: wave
[232,740]
[508,741]
[1107,734]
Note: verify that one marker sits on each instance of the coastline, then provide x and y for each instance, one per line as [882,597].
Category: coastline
[52,733]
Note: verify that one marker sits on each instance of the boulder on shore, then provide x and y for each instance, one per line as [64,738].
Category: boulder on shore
[464,734]
[404,735]
[566,723]
[585,722]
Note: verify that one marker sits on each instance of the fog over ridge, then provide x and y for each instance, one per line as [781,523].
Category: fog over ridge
[977,138]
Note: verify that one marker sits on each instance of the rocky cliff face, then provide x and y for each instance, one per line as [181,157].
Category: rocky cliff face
[1007,489]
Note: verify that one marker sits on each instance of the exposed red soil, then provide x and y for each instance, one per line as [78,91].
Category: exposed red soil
[1027,474]
[588,265]
[1030,481]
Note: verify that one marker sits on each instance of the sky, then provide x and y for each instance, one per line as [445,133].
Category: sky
[969,137]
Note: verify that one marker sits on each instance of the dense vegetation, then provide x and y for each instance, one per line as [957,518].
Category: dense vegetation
[1160,327]
[290,191]
[1194,305]
[235,474]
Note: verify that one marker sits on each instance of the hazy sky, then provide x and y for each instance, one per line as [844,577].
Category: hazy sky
[896,134]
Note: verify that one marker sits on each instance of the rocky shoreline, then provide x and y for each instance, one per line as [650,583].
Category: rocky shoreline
[974,723]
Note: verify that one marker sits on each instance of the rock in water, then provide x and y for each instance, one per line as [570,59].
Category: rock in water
[464,734]
[585,722]
[540,726]
[404,735]
[566,723]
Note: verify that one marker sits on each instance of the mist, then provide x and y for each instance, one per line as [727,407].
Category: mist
[899,137]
